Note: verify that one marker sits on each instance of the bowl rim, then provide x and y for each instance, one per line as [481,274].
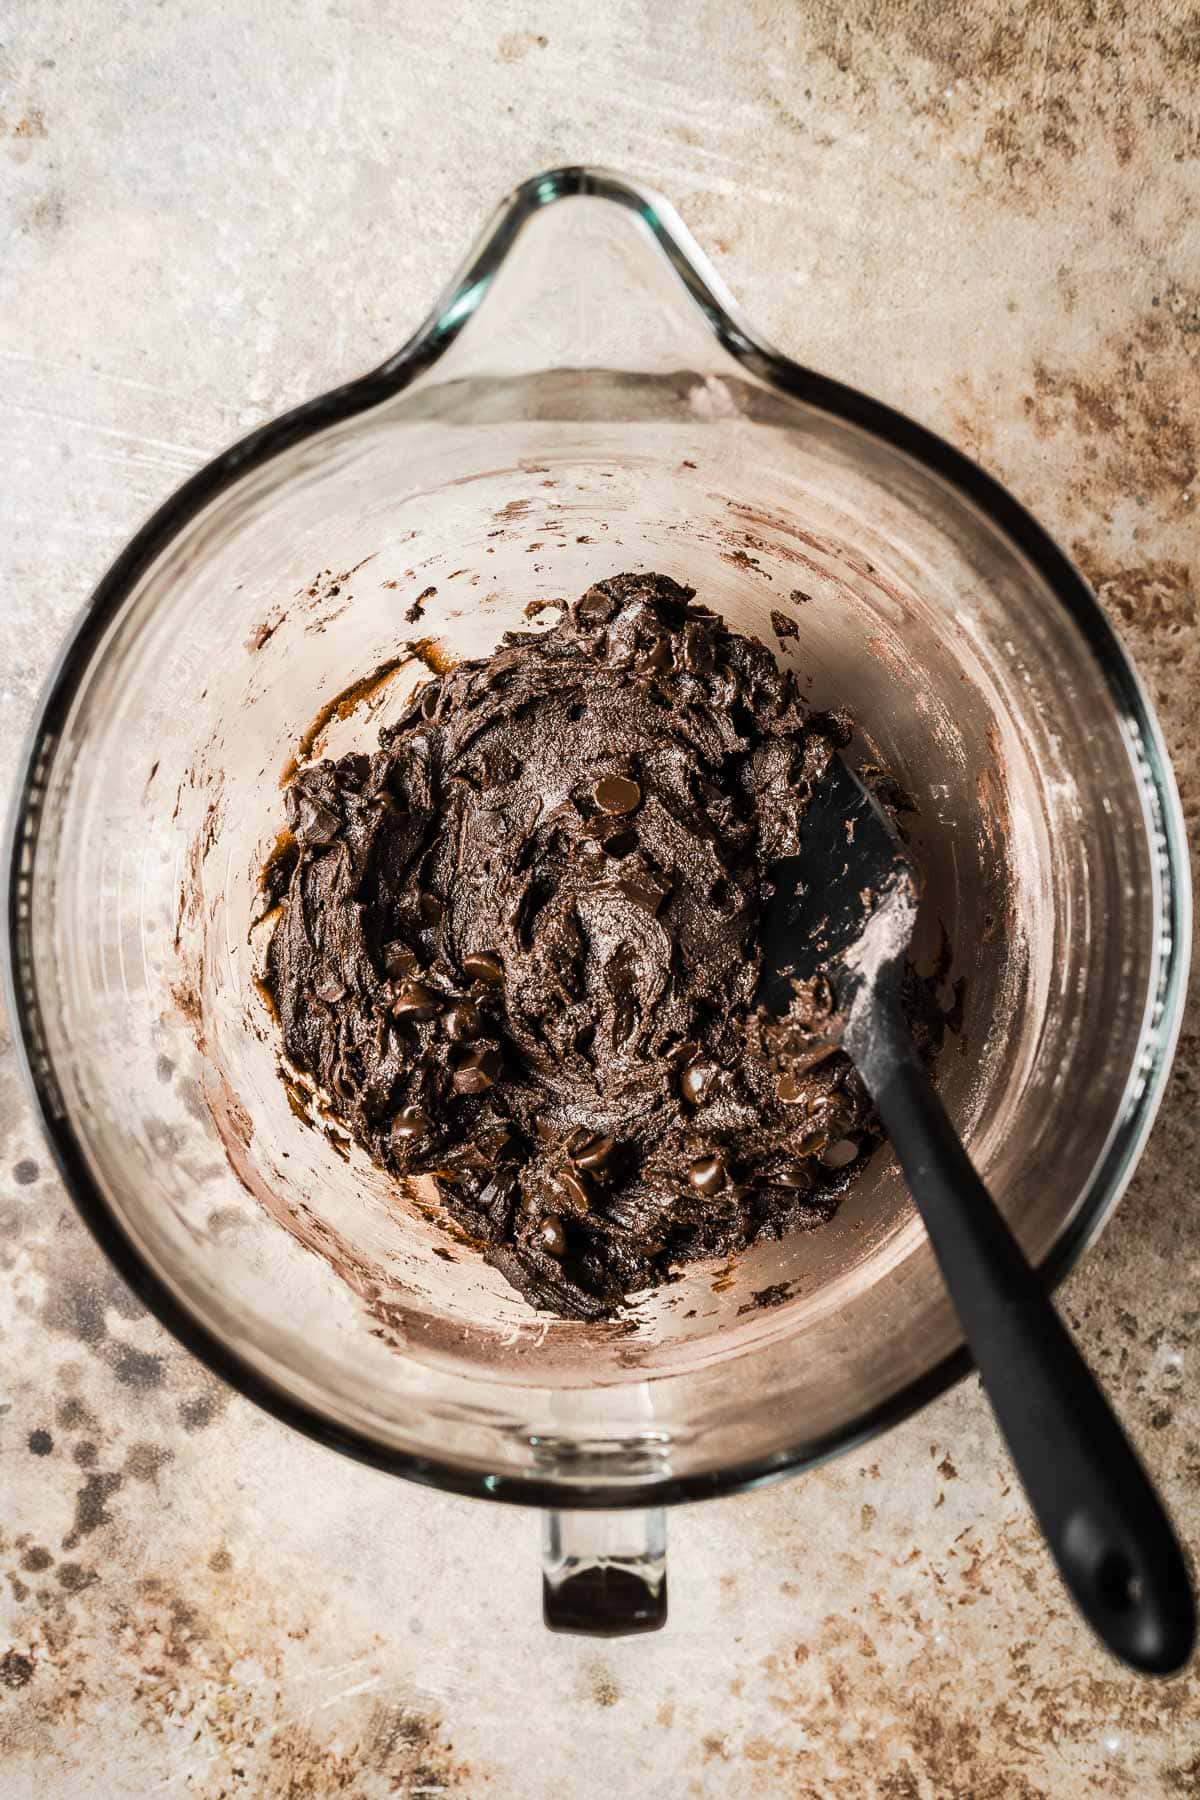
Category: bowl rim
[458,302]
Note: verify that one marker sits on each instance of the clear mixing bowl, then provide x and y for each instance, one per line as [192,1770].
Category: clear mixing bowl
[584,399]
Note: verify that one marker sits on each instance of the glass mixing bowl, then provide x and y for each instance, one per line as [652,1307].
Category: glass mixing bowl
[584,399]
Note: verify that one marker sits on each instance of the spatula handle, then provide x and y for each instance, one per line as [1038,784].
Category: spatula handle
[1106,1526]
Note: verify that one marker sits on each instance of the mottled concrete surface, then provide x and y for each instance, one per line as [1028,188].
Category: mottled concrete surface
[987,215]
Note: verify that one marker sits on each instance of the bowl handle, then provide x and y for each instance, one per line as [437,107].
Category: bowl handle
[604,1574]
[578,268]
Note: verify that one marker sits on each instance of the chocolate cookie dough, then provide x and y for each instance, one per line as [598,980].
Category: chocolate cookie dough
[518,947]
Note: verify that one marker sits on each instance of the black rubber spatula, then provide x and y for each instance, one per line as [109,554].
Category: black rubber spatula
[845,908]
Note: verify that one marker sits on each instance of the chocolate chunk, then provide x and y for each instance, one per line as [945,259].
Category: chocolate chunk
[432,909]
[483,965]
[697,648]
[645,890]
[498,1202]
[603,829]
[617,794]
[596,607]
[708,1174]
[478,1071]
[399,962]
[463,1023]
[658,658]
[414,1002]
[315,823]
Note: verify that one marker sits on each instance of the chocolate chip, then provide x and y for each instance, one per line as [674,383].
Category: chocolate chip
[617,794]
[414,1002]
[549,1235]
[594,1153]
[575,1186]
[409,1123]
[399,962]
[696,1082]
[840,1154]
[804,1060]
[708,1174]
[463,1023]
[483,965]
[790,1090]
[795,1176]
[478,1070]
[812,1143]
[432,909]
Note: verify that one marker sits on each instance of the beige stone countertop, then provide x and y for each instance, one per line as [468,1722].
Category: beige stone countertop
[984,214]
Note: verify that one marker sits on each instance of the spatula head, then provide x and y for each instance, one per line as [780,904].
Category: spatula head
[845,907]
